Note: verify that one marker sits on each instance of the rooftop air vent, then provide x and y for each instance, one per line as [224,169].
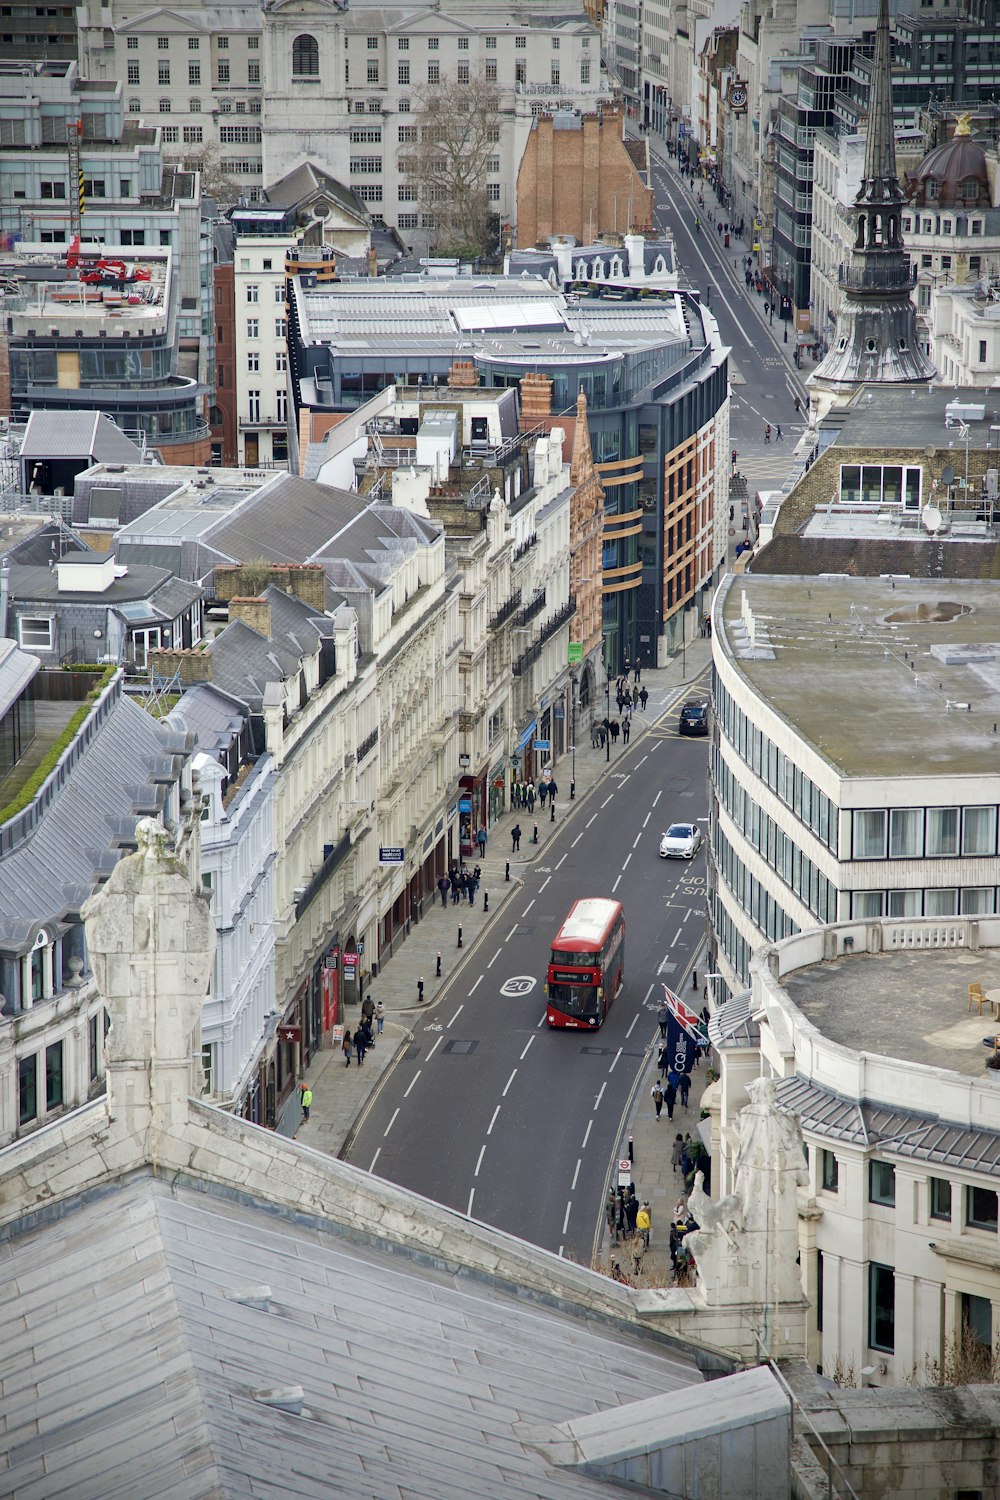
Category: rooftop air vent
[290,1398]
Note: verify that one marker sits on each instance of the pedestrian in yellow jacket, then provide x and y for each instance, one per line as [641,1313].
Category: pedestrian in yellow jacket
[644,1223]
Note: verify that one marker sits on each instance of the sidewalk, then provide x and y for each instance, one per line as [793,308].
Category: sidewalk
[340,1094]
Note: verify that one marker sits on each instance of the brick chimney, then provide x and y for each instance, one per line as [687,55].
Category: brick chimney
[306,581]
[253,612]
[463,373]
[536,397]
[188,666]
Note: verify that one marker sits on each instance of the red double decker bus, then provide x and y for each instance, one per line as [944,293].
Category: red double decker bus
[587,963]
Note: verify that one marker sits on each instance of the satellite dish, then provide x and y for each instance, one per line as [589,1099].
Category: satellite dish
[931,518]
[948,474]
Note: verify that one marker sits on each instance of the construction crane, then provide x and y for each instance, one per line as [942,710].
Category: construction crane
[77,201]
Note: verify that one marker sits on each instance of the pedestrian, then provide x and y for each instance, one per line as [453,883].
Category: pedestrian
[305,1099]
[670,1093]
[481,841]
[345,1047]
[777,432]
[767,308]
[675,1155]
[469,887]
[531,797]
[635,697]
[515,838]
[686,1162]
[657,1093]
[662,1017]
[367,1011]
[643,698]
[644,1222]
[638,1251]
[798,405]
[663,1061]
[626,730]
[637,671]
[379,1017]
[443,885]
[616,730]
[611,1216]
[684,1089]
[453,877]
[543,792]
[553,789]
[767,432]
[360,1045]
[631,1213]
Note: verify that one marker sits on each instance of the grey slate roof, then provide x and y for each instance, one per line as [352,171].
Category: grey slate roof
[890,1131]
[30,584]
[285,522]
[17,668]
[307,181]
[77,434]
[214,717]
[733,1026]
[128,1374]
[113,783]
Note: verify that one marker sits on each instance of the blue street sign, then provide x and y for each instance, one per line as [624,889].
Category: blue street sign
[543,745]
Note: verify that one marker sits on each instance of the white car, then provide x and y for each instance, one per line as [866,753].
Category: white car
[681,841]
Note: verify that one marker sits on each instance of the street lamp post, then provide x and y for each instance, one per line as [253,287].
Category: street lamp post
[607,716]
[572,784]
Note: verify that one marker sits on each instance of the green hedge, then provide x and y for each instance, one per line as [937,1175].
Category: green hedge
[52,757]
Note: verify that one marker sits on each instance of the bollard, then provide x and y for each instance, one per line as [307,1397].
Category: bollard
[460,937]
[534,837]
[486,902]
[631,1149]
[437,973]
[420,991]
[572,791]
[506,873]
[552,814]
[694,979]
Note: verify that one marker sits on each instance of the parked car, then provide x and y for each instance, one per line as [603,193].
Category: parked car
[681,841]
[694,717]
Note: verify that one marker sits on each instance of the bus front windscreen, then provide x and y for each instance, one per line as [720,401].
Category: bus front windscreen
[578,998]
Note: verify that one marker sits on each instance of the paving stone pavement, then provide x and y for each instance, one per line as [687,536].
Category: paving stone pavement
[341,1094]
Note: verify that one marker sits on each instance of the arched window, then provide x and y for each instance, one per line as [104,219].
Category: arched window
[305,57]
[970,188]
[135,106]
[931,189]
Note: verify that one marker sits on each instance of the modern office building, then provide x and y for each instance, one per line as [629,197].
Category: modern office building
[655,378]
[849,780]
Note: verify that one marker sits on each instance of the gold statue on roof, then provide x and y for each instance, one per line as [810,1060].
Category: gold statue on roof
[963,124]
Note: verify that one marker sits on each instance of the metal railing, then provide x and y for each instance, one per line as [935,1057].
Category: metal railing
[901,274]
[505,611]
[323,874]
[532,610]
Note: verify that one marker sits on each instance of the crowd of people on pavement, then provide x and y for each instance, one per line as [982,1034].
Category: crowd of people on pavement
[363,1039]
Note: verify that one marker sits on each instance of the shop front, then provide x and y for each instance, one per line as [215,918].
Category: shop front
[498,805]
[522,766]
[473,806]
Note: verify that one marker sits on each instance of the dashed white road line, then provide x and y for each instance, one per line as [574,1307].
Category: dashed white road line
[635,1019]
[544,884]
[468,1211]
[479,1163]
[677,935]
[600,1094]
[375,1158]
[564,858]
[626,864]
[577,840]
[658,796]
[489,1128]
[457,1014]
[646,819]
[637,838]
[494,958]
[607,800]
[617,883]
[614,1060]
[391,1122]
[476,985]
[591,819]
[566,1219]
[576,1174]
[511,933]
[412,1082]
[526,1046]
[434,1048]
[510,1080]
[649,992]
[586,1135]
[643,761]
[528,907]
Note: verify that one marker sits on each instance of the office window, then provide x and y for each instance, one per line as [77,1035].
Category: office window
[223,71]
[193,43]
[946,262]
[281,362]
[829,1171]
[979,824]
[171,134]
[869,834]
[253,72]
[404,44]
[163,43]
[163,74]
[403,73]
[253,362]
[94,1047]
[225,106]
[194,106]
[281,324]
[253,407]
[373,72]
[133,44]
[253,328]
[54,1076]
[942,831]
[493,192]
[132,236]
[27,1088]
[981,1209]
[463,44]
[408,193]
[940,1198]
[193,135]
[521,43]
[491,44]
[555,44]
[403,105]
[463,72]
[433,43]
[406,134]
[881,1307]
[433,72]
[135,106]
[906,833]
[882,1183]
[164,106]
[585,70]
[281,406]
[94,187]
[279,293]
[253,43]
[35,632]
[369,165]
[194,75]
[408,221]
[253,293]
[133,74]
[369,192]
[372,43]
[491,72]
[554,75]
[223,43]
[982,351]
[977,1326]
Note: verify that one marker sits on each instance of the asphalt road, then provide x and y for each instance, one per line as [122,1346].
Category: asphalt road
[493,1113]
[765,382]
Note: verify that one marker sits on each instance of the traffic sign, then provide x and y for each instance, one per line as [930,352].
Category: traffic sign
[624,1173]
[542,745]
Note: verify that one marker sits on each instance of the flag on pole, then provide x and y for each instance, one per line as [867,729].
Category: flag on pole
[689,1020]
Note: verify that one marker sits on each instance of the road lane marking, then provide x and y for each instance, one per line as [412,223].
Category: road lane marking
[479,1163]
[526,1046]
[391,1122]
[689,913]
[637,838]
[468,1211]
[510,1080]
[375,1158]
[541,1020]
[591,819]
[434,1048]
[627,777]
[600,1095]
[476,985]
[606,801]
[489,1128]
[677,935]
[616,885]
[626,864]
[412,1082]
[579,1164]
[544,884]
[586,1136]
[566,1219]
[643,761]
[614,1063]
[494,958]
[562,861]
[528,907]
[632,1027]
[658,796]
[652,987]
[511,933]
[577,840]
[457,1014]
[646,819]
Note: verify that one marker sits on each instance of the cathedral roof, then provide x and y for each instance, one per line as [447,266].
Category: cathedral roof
[953,174]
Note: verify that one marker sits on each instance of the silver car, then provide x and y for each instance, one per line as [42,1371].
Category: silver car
[681,841]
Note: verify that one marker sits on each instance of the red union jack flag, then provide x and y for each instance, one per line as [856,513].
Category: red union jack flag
[689,1020]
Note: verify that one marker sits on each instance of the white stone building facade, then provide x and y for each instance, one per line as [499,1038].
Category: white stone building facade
[260,338]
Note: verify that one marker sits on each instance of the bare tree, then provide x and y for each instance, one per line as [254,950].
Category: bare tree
[456,128]
[215,182]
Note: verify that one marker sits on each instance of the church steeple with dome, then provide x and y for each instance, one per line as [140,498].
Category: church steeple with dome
[876,337]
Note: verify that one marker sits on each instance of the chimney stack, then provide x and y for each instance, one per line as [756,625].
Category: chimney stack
[253,612]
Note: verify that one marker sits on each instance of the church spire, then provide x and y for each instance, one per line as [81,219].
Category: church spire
[876,337]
